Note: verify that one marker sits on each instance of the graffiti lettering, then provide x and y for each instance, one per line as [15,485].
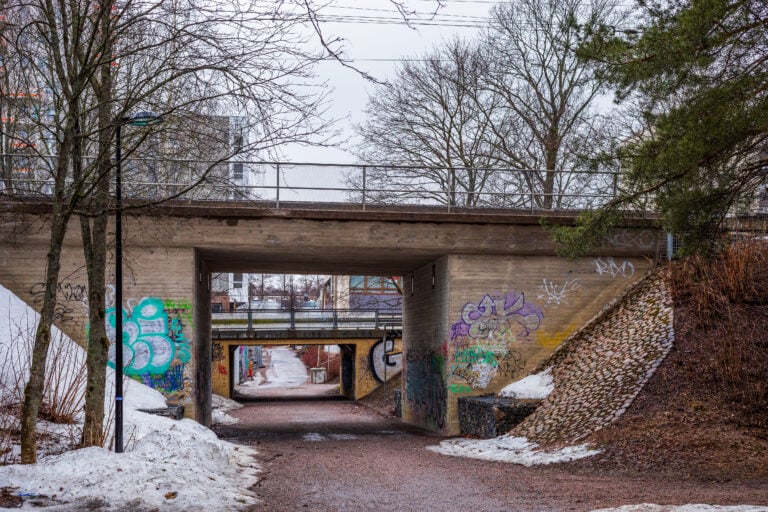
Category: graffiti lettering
[481,340]
[151,341]
[170,381]
[68,292]
[555,293]
[640,239]
[611,268]
[217,352]
[382,362]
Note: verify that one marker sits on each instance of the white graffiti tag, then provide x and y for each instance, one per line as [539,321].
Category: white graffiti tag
[555,293]
[609,267]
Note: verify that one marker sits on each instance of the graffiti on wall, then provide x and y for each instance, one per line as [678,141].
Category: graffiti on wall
[155,349]
[72,298]
[644,239]
[384,362]
[482,339]
[609,267]
[557,293]
[426,391]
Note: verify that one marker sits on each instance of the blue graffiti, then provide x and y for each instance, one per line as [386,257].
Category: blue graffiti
[150,340]
[170,381]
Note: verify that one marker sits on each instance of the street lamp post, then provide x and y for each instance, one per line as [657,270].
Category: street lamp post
[142,118]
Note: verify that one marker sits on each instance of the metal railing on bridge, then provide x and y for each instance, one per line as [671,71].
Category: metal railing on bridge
[238,323]
[278,184]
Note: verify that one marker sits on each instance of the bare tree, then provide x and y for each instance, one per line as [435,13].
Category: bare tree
[98,61]
[543,117]
[426,123]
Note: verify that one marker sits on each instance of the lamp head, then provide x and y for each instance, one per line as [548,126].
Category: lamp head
[143,118]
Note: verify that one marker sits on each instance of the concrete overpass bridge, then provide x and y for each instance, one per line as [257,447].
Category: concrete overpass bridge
[485,297]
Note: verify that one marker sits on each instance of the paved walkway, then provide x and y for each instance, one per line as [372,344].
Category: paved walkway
[284,377]
[337,455]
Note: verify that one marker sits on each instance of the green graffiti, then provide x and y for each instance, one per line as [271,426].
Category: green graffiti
[475,355]
[457,389]
[178,304]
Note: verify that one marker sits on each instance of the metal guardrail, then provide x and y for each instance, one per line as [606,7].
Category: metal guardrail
[304,319]
[276,183]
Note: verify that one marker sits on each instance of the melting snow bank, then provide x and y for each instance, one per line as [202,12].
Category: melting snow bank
[646,507]
[537,386]
[173,465]
[516,450]
[220,407]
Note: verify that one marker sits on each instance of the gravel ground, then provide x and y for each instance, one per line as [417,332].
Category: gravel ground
[341,456]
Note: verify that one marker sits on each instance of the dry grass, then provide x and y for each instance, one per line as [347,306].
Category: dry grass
[62,392]
[726,294]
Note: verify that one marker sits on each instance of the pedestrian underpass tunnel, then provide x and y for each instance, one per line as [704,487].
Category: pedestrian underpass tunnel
[470,324]
[305,369]
[484,297]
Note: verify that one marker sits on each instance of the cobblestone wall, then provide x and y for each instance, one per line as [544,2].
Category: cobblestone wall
[600,369]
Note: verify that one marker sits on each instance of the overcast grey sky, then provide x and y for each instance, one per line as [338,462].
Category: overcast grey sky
[375,38]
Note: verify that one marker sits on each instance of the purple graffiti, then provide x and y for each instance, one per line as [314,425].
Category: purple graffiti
[482,338]
[480,320]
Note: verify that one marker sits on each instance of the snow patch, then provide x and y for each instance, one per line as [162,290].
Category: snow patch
[285,370]
[168,465]
[515,450]
[182,459]
[538,386]
[220,406]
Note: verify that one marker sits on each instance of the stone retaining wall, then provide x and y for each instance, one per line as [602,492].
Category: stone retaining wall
[599,370]
[489,416]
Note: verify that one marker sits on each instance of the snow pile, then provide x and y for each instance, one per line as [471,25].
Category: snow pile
[66,360]
[176,465]
[172,465]
[220,406]
[537,386]
[646,507]
[506,448]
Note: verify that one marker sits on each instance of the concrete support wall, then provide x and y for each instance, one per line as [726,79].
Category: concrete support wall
[485,303]
[488,320]
[426,302]
[201,280]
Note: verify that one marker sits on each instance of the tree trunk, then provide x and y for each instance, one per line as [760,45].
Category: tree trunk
[33,391]
[95,248]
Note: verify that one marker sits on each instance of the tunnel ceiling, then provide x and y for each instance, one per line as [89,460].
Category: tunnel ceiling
[328,260]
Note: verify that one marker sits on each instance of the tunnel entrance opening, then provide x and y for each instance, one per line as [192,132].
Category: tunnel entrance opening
[288,337]
[286,373]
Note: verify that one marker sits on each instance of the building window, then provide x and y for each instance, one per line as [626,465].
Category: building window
[374,284]
[237,281]
[237,170]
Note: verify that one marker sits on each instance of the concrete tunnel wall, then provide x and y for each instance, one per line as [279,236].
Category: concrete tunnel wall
[159,291]
[473,324]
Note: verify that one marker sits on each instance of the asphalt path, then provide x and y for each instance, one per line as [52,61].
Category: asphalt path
[336,455]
